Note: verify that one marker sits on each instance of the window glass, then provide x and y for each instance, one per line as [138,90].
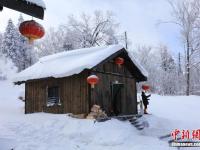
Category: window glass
[53,96]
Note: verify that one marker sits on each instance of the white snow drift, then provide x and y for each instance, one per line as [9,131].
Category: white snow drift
[42,131]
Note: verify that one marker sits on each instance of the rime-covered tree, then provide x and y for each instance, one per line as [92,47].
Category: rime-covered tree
[7,68]
[98,29]
[52,43]
[10,41]
[16,47]
[168,72]
[161,68]
[93,30]
[186,15]
[149,58]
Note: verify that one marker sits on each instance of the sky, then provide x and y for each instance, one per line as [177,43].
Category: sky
[138,17]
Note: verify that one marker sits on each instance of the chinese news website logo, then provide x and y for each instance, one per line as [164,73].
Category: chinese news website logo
[185,138]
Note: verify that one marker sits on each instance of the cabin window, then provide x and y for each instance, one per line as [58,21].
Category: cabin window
[53,96]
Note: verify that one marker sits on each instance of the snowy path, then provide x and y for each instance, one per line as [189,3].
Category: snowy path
[42,131]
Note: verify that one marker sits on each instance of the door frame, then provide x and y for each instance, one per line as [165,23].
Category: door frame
[114,100]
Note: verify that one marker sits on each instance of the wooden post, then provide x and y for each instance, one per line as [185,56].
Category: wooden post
[126,41]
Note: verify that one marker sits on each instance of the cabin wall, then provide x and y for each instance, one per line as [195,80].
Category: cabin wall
[102,96]
[108,74]
[73,93]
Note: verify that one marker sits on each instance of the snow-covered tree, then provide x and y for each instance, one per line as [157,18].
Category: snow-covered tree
[149,58]
[9,43]
[7,68]
[16,47]
[168,72]
[98,29]
[186,15]
[52,43]
[161,67]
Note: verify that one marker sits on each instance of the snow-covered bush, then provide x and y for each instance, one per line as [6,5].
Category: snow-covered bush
[7,68]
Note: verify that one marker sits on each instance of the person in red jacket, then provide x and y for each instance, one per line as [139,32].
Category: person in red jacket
[145,98]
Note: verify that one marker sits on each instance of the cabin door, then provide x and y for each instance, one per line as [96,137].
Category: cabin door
[116,102]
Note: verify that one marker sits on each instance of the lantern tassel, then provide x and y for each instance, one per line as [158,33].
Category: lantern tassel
[30,40]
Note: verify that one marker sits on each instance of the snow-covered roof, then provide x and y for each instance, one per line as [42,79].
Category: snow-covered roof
[71,62]
[37,2]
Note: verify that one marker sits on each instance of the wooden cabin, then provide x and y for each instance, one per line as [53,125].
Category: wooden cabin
[58,83]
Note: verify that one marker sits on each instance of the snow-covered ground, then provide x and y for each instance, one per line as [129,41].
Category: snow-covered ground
[42,131]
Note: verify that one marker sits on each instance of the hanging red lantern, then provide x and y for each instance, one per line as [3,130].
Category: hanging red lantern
[119,61]
[92,80]
[145,87]
[32,30]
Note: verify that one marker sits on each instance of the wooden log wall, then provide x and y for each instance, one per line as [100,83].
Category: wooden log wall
[102,94]
[73,93]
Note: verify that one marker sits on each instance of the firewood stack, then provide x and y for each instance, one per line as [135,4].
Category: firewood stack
[96,112]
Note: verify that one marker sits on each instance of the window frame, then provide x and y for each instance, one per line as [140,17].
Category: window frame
[49,104]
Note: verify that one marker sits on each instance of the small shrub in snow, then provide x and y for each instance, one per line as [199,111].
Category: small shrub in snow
[7,68]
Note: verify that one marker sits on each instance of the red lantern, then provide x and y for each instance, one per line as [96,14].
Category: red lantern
[92,80]
[119,61]
[145,87]
[32,30]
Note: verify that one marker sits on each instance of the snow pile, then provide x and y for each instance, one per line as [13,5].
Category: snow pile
[71,62]
[178,108]
[7,68]
[40,131]
[38,3]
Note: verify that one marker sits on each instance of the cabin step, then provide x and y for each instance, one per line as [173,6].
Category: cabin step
[139,123]
[135,120]
[140,128]
[135,123]
[127,117]
[124,117]
[102,119]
